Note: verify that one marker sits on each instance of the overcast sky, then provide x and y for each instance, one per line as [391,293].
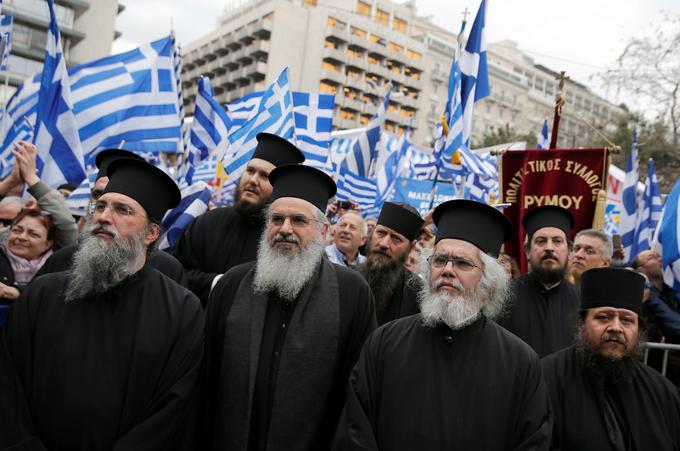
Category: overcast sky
[583,37]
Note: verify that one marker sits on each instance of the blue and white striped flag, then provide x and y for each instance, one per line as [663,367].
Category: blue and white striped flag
[244,108]
[206,170]
[390,171]
[475,77]
[274,115]
[361,190]
[313,125]
[629,210]
[6,23]
[364,152]
[195,199]
[56,133]
[422,166]
[20,121]
[177,63]
[543,137]
[650,211]
[79,198]
[209,132]
[666,241]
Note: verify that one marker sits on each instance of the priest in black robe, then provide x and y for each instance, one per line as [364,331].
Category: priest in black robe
[603,397]
[107,355]
[394,287]
[450,378]
[283,333]
[225,237]
[543,305]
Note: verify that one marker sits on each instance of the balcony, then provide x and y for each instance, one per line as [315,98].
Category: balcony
[349,103]
[257,68]
[335,54]
[262,28]
[345,123]
[260,49]
[336,77]
[339,33]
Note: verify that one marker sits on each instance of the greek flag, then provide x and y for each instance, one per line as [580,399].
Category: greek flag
[79,198]
[475,77]
[209,133]
[20,121]
[391,170]
[628,219]
[666,239]
[206,170]
[454,141]
[274,115]
[244,108]
[364,152]
[543,137]
[422,166]
[195,199]
[6,23]
[650,211]
[177,62]
[339,149]
[56,133]
[361,190]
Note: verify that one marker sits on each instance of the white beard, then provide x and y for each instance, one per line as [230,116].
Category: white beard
[456,311]
[286,274]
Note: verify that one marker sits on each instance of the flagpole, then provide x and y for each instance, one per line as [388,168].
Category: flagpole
[6,99]
[559,103]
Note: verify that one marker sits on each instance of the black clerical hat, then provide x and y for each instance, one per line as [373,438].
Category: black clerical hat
[155,191]
[105,157]
[612,287]
[303,182]
[400,220]
[276,150]
[474,222]
[548,216]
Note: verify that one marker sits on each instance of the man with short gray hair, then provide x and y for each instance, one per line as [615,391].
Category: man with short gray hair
[592,249]
[350,234]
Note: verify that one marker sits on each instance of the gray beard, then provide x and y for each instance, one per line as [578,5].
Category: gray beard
[285,275]
[456,312]
[99,264]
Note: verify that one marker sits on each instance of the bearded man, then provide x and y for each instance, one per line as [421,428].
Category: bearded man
[440,379]
[544,305]
[105,356]
[394,287]
[225,237]
[603,397]
[283,333]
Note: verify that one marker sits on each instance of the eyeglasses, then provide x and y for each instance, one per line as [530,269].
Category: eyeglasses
[297,221]
[441,260]
[6,221]
[117,209]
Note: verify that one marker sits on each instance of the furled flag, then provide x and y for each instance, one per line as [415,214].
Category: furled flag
[666,241]
[628,219]
[544,136]
[195,199]
[56,133]
[177,64]
[6,23]
[274,115]
[474,84]
[649,212]
[362,156]
[209,132]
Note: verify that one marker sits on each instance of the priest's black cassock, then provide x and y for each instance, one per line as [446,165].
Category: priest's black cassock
[424,388]
[214,243]
[114,371]
[161,261]
[544,318]
[642,413]
[275,372]
[404,299]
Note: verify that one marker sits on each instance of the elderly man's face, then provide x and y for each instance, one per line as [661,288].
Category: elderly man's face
[117,214]
[465,274]
[612,332]
[548,248]
[254,188]
[650,263]
[386,246]
[292,225]
[586,254]
[349,233]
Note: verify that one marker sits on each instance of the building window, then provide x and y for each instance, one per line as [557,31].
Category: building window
[351,93]
[327,65]
[327,87]
[364,119]
[395,47]
[353,51]
[348,114]
[389,126]
[330,44]
[363,9]
[358,32]
[406,113]
[413,54]
[391,107]
[309,2]
[399,24]
[373,60]
[377,40]
[382,17]
[353,72]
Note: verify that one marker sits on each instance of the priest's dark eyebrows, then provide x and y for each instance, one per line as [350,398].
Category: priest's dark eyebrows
[251,169]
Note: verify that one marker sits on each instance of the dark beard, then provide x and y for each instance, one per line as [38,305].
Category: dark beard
[383,275]
[548,275]
[246,209]
[606,369]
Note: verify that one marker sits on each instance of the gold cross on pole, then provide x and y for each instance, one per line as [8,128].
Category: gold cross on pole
[465,14]
[562,77]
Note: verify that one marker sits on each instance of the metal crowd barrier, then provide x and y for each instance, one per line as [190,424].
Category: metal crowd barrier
[666,348]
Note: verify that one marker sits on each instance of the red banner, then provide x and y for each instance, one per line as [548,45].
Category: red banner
[567,178]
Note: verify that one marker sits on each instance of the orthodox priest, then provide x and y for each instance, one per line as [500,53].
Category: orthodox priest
[225,237]
[105,356]
[603,397]
[449,377]
[543,305]
[62,259]
[394,287]
[283,333]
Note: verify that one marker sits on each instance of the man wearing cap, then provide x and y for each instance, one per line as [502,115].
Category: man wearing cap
[225,237]
[62,259]
[107,355]
[394,287]
[602,396]
[543,305]
[449,377]
[283,332]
